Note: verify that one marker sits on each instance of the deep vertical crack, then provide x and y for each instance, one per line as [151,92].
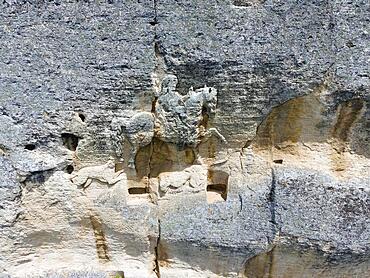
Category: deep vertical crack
[159,71]
[160,65]
[156,249]
[272,205]
[155,5]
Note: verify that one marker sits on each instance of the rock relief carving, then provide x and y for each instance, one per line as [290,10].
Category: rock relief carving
[104,173]
[177,119]
[192,178]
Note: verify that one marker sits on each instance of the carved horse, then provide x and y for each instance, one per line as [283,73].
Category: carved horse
[201,107]
[181,120]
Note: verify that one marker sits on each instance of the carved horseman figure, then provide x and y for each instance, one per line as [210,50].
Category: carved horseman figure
[170,113]
[181,120]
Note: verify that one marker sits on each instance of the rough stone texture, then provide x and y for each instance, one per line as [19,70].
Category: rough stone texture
[101,176]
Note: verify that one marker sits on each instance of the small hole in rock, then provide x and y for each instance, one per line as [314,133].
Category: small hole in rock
[82,117]
[70,141]
[350,44]
[69,169]
[153,23]
[278,161]
[137,190]
[30,147]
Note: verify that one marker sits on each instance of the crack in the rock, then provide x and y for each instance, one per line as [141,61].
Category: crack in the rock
[241,161]
[159,70]
[272,206]
[160,65]
[157,267]
[241,203]
[155,6]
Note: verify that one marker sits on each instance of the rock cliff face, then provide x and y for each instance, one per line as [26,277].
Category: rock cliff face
[176,138]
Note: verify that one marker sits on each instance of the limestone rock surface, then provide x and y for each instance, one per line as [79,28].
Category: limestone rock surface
[177,138]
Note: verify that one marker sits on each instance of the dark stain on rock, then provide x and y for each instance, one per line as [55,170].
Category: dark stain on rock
[349,112]
[39,177]
[100,240]
[293,121]
[247,144]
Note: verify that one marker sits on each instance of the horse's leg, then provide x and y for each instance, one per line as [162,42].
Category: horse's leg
[116,177]
[198,159]
[131,161]
[87,183]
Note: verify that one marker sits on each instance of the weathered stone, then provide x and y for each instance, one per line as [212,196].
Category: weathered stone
[184,138]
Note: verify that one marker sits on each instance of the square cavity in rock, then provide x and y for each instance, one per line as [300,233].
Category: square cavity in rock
[217,186]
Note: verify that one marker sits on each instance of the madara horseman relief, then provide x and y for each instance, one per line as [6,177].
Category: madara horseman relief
[178,119]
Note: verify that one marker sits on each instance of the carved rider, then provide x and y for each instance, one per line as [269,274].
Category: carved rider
[177,119]
[170,112]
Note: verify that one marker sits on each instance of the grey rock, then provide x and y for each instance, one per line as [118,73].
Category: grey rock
[114,154]
[317,209]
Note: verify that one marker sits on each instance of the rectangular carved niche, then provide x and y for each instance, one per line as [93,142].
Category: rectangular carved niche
[137,190]
[217,186]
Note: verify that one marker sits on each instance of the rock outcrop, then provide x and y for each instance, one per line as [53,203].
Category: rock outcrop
[184,138]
